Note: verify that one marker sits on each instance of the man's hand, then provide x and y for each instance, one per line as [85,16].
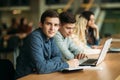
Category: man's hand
[73,63]
[80,56]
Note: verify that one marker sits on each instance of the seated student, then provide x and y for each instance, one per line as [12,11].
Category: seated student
[39,53]
[67,46]
[79,36]
[87,30]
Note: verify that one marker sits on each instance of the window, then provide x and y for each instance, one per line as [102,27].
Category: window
[52,2]
[5,3]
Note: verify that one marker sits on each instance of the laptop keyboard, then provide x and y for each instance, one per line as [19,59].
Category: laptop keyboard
[89,62]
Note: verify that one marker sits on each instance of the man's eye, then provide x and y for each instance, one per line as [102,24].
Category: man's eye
[56,25]
[48,23]
[69,28]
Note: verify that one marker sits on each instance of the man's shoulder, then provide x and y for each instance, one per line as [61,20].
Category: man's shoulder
[38,30]
[58,35]
[35,34]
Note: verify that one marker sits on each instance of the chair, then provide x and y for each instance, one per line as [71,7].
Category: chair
[10,45]
[7,71]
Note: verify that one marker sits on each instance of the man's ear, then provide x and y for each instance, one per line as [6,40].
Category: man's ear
[40,24]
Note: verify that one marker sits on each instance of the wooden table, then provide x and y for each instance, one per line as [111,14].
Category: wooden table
[110,71]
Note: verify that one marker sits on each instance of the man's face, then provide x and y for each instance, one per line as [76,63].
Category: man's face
[67,29]
[50,26]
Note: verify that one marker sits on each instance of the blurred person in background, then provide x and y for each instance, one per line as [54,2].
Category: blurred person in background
[24,27]
[13,29]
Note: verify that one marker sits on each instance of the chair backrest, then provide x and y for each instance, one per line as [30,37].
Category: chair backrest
[9,45]
[7,71]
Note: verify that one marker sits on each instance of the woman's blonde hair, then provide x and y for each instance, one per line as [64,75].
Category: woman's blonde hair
[81,24]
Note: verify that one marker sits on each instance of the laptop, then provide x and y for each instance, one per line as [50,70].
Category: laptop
[93,62]
[114,49]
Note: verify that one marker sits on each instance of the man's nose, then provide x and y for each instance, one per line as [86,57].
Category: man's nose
[52,27]
[71,30]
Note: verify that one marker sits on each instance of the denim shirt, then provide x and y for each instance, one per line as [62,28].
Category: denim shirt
[67,47]
[39,55]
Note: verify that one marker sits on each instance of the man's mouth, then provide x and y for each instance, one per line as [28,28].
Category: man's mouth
[51,32]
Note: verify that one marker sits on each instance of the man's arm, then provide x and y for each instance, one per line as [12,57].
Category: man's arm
[64,48]
[74,48]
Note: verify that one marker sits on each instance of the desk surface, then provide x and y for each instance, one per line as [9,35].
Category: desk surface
[110,71]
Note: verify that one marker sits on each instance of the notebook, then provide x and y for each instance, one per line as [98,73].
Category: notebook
[93,62]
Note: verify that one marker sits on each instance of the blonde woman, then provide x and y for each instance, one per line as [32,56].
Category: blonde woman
[78,35]
[81,33]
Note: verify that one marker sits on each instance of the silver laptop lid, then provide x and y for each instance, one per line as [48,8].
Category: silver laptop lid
[104,51]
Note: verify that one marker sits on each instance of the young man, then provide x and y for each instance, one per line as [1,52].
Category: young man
[66,45]
[39,53]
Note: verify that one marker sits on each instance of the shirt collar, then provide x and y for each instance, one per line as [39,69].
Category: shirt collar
[45,39]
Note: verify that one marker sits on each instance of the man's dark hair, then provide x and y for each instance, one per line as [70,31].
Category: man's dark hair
[66,17]
[87,14]
[48,13]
